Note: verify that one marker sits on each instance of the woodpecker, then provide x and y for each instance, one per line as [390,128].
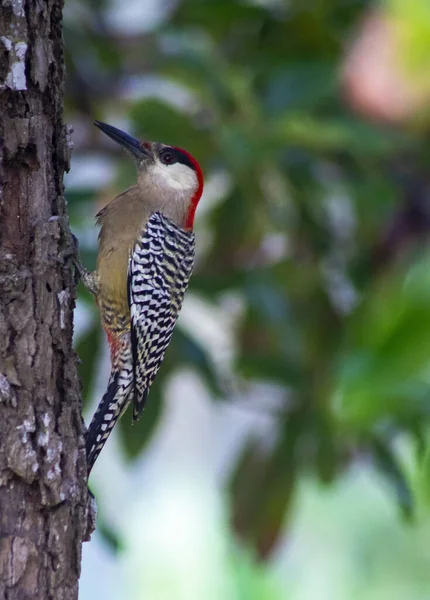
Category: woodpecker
[144,263]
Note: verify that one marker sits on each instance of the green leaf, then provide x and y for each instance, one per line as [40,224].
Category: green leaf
[136,436]
[386,461]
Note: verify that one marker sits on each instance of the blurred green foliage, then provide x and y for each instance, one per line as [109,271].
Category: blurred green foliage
[339,316]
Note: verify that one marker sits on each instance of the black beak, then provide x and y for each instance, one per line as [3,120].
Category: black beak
[126,141]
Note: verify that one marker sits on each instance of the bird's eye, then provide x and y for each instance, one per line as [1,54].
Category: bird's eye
[167,158]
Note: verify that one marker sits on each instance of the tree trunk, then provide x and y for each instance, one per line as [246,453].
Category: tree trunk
[43,492]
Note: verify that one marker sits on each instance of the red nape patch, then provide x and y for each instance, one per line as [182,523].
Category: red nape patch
[189,222]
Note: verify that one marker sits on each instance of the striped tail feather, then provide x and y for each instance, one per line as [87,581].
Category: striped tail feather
[111,407]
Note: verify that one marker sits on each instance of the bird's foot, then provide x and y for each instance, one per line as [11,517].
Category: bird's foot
[88,278]
[70,251]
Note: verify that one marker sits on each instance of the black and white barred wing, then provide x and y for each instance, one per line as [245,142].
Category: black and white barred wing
[159,270]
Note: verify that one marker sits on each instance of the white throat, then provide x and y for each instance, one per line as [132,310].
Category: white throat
[169,188]
[177,176]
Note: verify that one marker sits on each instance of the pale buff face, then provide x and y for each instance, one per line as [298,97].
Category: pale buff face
[167,187]
[176,179]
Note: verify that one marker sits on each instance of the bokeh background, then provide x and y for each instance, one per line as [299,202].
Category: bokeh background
[284,450]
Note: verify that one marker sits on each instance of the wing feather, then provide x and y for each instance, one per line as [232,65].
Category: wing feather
[159,270]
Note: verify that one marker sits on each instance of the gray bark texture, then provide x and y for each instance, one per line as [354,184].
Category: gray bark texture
[43,491]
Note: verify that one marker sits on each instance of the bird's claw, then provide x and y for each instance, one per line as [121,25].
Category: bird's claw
[69,245]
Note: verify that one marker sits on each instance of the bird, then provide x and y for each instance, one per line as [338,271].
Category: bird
[146,249]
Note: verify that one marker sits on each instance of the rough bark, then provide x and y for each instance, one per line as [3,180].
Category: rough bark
[43,493]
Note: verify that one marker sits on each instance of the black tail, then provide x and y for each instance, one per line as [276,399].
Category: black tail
[102,423]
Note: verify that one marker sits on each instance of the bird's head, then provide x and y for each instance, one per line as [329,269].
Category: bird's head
[169,175]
